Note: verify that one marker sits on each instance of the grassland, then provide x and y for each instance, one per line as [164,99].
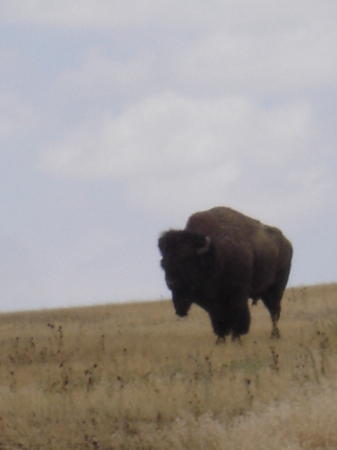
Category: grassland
[136,377]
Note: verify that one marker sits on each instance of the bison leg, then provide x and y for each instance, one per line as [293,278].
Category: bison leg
[240,318]
[272,300]
[236,338]
[221,328]
[233,318]
[273,304]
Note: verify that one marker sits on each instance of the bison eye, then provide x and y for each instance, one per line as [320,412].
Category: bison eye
[172,283]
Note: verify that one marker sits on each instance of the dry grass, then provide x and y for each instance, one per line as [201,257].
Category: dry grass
[136,377]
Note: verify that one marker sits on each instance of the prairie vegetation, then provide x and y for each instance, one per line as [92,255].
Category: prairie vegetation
[135,377]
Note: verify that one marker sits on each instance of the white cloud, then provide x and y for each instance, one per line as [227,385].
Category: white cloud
[283,134]
[269,52]
[175,197]
[153,110]
[160,134]
[173,153]
[98,75]
[9,60]
[278,61]
[16,115]
[171,134]
[230,14]
[90,13]
[286,203]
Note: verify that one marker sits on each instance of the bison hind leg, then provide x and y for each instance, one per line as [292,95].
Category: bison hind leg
[275,333]
[273,304]
[272,300]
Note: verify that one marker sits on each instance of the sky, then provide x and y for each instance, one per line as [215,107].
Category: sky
[120,119]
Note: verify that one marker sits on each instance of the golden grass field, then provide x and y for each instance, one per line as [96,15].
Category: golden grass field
[136,377]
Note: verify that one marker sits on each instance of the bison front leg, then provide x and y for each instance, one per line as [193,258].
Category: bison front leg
[221,324]
[220,327]
[240,318]
[232,317]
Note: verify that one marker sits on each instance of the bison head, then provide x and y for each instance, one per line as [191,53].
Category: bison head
[186,259]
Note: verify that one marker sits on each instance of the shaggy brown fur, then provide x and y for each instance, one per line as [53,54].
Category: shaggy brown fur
[220,260]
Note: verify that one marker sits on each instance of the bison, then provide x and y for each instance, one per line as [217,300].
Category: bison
[220,260]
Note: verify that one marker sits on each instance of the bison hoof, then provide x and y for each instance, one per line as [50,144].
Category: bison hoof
[275,334]
[220,340]
[236,338]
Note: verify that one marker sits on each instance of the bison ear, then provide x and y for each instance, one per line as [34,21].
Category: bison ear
[206,247]
[163,242]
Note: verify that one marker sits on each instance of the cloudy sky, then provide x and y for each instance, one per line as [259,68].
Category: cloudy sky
[118,119]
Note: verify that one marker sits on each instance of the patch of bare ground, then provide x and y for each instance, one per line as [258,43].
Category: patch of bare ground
[136,377]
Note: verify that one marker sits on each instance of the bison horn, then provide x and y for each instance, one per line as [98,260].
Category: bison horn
[206,247]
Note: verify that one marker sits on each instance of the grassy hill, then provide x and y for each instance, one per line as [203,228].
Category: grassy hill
[136,377]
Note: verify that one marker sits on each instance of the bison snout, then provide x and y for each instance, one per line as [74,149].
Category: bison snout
[181,313]
[181,306]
